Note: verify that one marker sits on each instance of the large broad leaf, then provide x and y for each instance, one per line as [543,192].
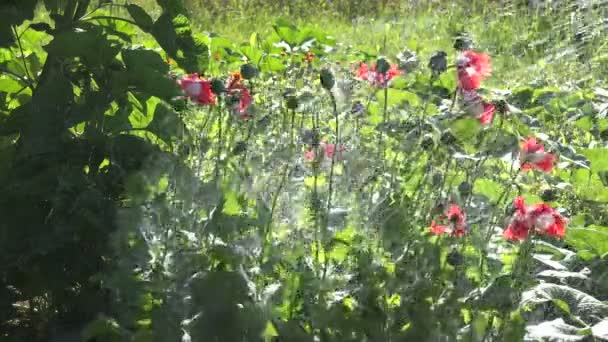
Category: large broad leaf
[147,71]
[591,240]
[164,32]
[465,129]
[166,123]
[223,297]
[141,18]
[597,157]
[144,60]
[286,30]
[14,12]
[600,330]
[92,46]
[556,330]
[397,96]
[488,188]
[588,185]
[578,302]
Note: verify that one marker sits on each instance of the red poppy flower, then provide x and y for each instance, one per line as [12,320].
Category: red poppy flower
[241,95]
[310,154]
[197,89]
[533,156]
[536,219]
[519,227]
[472,68]
[455,215]
[439,229]
[478,107]
[328,150]
[245,100]
[364,72]
[547,221]
[456,223]
[488,113]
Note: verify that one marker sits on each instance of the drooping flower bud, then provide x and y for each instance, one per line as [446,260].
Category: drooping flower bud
[327,79]
[382,65]
[249,71]
[438,62]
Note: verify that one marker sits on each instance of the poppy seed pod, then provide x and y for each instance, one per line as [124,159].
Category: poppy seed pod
[464,188]
[292,102]
[447,138]
[438,62]
[455,258]
[463,42]
[217,86]
[327,79]
[382,66]
[548,195]
[427,143]
[249,71]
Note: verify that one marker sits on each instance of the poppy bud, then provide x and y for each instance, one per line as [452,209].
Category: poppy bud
[464,189]
[249,71]
[448,138]
[427,142]
[239,148]
[501,106]
[437,179]
[358,108]
[454,258]
[292,102]
[438,62]
[548,195]
[463,42]
[382,66]
[217,86]
[327,79]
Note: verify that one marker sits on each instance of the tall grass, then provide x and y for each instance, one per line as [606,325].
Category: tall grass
[557,45]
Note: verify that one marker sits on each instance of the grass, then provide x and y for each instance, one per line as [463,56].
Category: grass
[526,45]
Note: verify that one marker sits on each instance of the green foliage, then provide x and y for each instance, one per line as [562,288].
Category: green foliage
[130,214]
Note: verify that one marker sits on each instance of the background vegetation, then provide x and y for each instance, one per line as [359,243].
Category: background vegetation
[132,214]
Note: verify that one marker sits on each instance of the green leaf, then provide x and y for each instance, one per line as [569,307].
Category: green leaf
[488,188]
[397,96]
[597,157]
[252,39]
[272,64]
[600,330]
[14,13]
[164,33]
[555,330]
[141,18]
[588,185]
[593,239]
[147,71]
[93,47]
[42,27]
[465,129]
[253,55]
[579,303]
[102,328]
[286,30]
[9,85]
[144,60]
[166,123]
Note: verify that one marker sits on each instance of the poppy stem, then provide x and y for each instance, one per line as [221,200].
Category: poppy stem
[219,143]
[331,176]
[454,98]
